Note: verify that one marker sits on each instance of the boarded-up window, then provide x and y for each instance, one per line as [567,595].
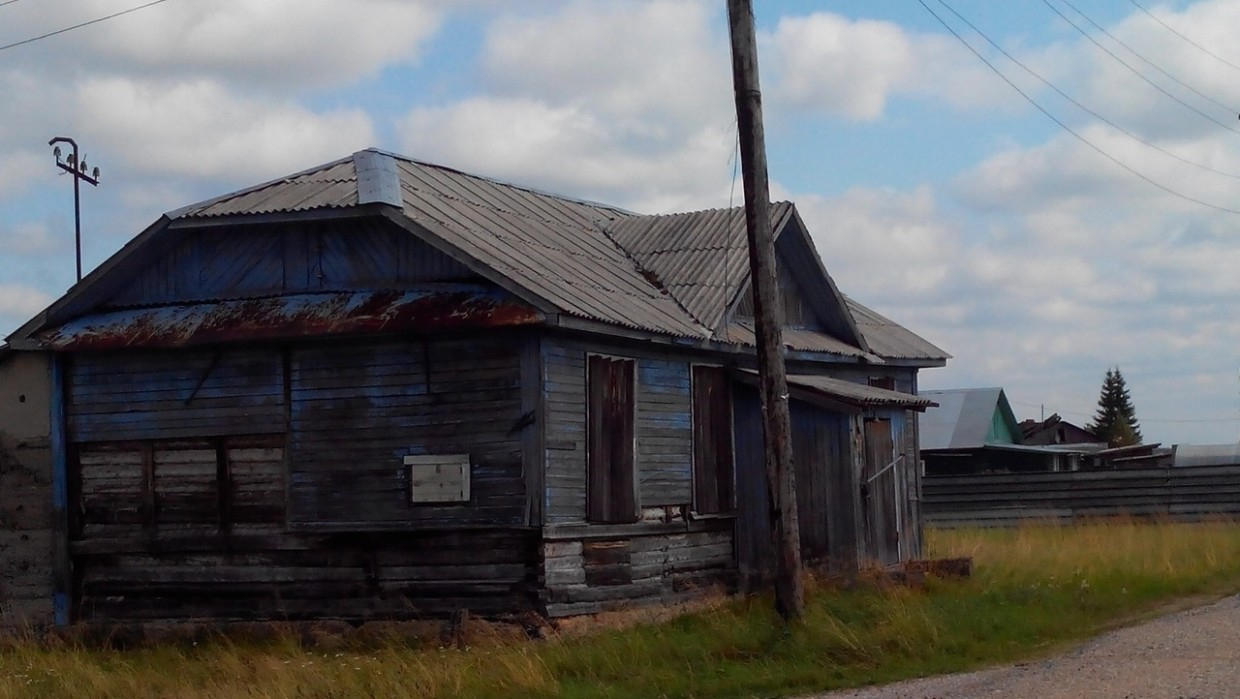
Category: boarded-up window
[712,441]
[202,486]
[612,492]
[887,382]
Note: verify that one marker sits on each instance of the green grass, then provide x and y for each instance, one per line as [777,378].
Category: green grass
[1034,590]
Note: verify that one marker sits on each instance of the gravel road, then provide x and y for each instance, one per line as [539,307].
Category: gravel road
[1194,654]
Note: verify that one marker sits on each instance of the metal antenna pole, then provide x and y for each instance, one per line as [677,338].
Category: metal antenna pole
[76,167]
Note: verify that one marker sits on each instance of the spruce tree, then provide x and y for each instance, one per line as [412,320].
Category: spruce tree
[1116,420]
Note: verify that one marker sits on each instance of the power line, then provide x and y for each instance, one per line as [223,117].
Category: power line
[1064,126]
[1136,72]
[1084,108]
[1171,29]
[31,40]
[7,2]
[1228,108]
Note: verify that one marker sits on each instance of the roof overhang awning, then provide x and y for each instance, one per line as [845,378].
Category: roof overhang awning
[455,307]
[845,396]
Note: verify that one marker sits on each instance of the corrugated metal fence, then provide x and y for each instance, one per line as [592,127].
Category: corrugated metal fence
[1005,500]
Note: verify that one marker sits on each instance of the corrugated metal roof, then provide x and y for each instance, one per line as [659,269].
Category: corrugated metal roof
[861,394]
[1207,454]
[800,340]
[446,307]
[889,339]
[700,257]
[962,419]
[672,274]
[333,185]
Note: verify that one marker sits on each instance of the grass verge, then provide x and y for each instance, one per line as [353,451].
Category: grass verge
[1034,589]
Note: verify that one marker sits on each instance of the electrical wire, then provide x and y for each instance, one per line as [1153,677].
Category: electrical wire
[1064,126]
[1136,72]
[77,26]
[1171,29]
[1226,107]
[7,2]
[1086,109]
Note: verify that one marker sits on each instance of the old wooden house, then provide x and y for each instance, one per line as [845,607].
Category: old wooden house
[382,388]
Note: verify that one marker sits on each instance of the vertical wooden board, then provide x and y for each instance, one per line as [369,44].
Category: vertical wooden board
[664,432]
[753,529]
[612,491]
[880,486]
[713,459]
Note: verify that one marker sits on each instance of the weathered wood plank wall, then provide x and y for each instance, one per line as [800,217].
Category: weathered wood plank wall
[357,410]
[218,484]
[652,563]
[1006,500]
[289,258]
[591,567]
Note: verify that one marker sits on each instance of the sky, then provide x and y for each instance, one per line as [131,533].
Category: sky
[1061,198]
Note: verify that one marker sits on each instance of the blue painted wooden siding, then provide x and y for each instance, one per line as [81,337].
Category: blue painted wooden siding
[166,395]
[359,409]
[664,433]
[341,256]
[564,411]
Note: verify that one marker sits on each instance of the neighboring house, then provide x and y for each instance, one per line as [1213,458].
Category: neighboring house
[1056,430]
[1184,455]
[973,430]
[26,538]
[381,388]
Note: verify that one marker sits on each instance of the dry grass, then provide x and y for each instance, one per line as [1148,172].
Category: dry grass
[1034,589]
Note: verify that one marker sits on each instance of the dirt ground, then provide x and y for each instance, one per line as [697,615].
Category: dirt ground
[1193,654]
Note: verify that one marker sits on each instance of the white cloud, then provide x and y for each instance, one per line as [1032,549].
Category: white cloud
[20,301]
[201,129]
[627,103]
[279,44]
[853,68]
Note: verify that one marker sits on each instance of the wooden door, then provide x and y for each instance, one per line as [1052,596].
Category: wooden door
[879,489]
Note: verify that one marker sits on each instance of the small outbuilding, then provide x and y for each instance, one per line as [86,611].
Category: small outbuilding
[381,388]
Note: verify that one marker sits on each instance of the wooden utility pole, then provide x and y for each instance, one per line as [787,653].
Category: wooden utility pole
[768,315]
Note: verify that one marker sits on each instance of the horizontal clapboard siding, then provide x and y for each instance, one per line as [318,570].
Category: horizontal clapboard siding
[564,407]
[359,409]
[166,395]
[307,576]
[664,433]
[596,573]
[1003,500]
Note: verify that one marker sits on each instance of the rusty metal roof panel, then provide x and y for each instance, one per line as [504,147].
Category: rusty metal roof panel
[440,307]
[891,340]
